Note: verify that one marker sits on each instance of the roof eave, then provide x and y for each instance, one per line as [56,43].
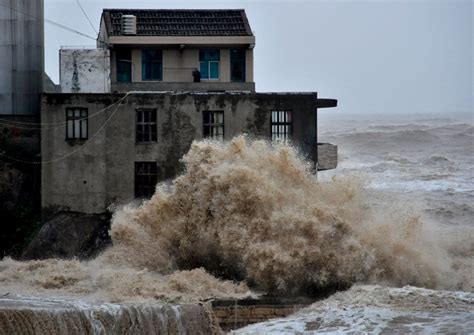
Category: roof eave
[246,23]
[182,40]
[108,23]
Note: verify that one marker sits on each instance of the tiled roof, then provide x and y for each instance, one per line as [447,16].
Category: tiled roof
[181,22]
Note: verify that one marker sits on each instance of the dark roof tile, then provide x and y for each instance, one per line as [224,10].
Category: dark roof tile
[181,22]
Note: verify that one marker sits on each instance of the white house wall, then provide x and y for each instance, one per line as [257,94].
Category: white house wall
[85,71]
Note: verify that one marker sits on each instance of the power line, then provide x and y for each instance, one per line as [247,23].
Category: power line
[87,17]
[70,29]
[74,151]
[53,23]
[38,125]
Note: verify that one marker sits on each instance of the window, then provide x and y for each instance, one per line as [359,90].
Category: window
[146,177]
[282,126]
[124,65]
[152,64]
[213,124]
[145,125]
[237,65]
[209,63]
[76,123]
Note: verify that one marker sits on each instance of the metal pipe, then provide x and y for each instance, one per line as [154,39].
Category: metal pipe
[316,140]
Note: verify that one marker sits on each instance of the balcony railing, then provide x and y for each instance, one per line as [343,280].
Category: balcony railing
[203,86]
[327,156]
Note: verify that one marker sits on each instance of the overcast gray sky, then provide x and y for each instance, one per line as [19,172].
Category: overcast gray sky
[386,56]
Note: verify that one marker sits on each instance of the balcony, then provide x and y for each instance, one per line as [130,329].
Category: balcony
[203,86]
[327,156]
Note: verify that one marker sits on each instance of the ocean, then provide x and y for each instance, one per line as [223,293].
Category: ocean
[428,157]
[422,164]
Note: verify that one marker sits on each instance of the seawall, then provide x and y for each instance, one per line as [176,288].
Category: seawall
[27,315]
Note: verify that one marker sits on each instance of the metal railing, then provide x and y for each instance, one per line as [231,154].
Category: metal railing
[327,156]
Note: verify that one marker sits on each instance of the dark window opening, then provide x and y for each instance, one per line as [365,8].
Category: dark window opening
[152,64]
[124,65]
[146,177]
[237,65]
[209,63]
[145,125]
[76,123]
[213,124]
[282,125]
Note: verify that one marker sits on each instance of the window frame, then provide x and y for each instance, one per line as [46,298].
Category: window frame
[82,119]
[286,125]
[152,124]
[238,61]
[207,76]
[213,124]
[152,62]
[145,189]
[123,60]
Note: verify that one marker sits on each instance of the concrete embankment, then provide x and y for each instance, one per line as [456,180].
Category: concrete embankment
[234,314]
[27,315]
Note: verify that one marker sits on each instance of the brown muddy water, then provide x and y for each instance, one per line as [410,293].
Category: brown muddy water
[249,218]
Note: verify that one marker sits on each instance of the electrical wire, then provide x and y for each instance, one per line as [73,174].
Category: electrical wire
[53,23]
[87,17]
[39,125]
[72,152]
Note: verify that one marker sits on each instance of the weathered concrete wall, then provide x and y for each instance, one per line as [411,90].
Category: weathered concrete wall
[32,315]
[178,66]
[89,177]
[21,56]
[235,314]
[204,86]
[84,70]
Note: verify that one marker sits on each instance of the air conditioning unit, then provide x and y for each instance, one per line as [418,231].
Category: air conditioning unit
[129,25]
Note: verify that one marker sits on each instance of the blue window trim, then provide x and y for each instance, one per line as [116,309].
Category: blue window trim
[124,71]
[124,65]
[209,60]
[153,65]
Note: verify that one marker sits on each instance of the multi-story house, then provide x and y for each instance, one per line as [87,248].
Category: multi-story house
[159,49]
[130,109]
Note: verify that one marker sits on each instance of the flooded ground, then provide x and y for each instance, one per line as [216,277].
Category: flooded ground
[379,310]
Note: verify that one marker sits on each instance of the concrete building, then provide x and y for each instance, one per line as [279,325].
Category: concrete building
[120,152]
[159,49]
[84,70]
[111,148]
[21,57]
